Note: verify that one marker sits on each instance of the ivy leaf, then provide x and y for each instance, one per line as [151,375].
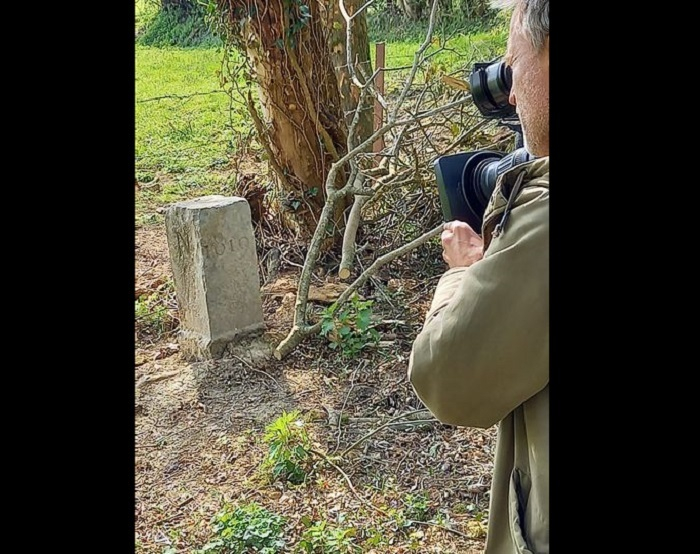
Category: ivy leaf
[363,318]
[327,327]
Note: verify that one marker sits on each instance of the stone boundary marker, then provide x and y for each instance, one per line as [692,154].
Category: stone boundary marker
[215,271]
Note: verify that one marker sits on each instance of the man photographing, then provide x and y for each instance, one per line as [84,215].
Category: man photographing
[482,356]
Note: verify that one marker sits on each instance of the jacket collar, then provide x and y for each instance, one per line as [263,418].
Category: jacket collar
[532,170]
[499,201]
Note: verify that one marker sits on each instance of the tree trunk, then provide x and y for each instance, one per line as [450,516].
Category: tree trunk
[349,93]
[287,46]
[413,8]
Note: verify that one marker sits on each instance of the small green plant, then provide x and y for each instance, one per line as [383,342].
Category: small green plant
[320,538]
[348,327]
[401,522]
[246,529]
[289,446]
[417,507]
[151,314]
[374,537]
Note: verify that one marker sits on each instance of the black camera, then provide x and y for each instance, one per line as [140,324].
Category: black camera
[466,180]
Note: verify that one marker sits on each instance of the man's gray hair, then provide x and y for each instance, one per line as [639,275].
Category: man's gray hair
[535,18]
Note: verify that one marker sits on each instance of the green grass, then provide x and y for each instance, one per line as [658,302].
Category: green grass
[188,134]
[175,134]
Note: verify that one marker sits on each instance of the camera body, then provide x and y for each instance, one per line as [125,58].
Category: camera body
[466,180]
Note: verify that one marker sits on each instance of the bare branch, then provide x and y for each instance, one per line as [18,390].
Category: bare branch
[416,62]
[375,431]
[379,132]
[358,12]
[333,196]
[385,259]
[348,45]
[351,231]
[349,56]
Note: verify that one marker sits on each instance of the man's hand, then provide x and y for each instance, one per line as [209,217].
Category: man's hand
[461,245]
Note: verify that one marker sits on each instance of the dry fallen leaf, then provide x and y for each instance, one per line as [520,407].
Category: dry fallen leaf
[168,350]
[453,82]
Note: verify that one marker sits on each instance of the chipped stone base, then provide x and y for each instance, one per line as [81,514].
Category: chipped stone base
[195,347]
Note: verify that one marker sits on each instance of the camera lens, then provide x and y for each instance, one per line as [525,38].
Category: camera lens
[479,180]
[490,85]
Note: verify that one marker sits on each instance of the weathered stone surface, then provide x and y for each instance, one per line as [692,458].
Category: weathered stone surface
[215,271]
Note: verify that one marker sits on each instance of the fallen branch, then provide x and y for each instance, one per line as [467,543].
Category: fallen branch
[257,370]
[148,379]
[377,509]
[375,431]
[337,191]
[431,524]
[350,485]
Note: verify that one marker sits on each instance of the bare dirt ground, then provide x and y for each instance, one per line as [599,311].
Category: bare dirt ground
[199,431]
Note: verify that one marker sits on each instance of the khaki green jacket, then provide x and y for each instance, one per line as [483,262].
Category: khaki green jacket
[483,355]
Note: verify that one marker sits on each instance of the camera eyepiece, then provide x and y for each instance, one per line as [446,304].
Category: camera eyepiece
[490,85]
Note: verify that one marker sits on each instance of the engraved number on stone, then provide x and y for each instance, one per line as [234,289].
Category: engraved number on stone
[220,245]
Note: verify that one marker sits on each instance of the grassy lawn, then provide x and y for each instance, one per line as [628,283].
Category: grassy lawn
[182,116]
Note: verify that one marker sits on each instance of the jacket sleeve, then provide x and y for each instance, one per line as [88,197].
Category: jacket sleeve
[484,347]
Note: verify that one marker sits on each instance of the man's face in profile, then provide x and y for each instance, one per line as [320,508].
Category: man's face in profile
[530,90]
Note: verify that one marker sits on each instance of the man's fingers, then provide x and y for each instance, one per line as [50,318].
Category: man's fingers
[458,227]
